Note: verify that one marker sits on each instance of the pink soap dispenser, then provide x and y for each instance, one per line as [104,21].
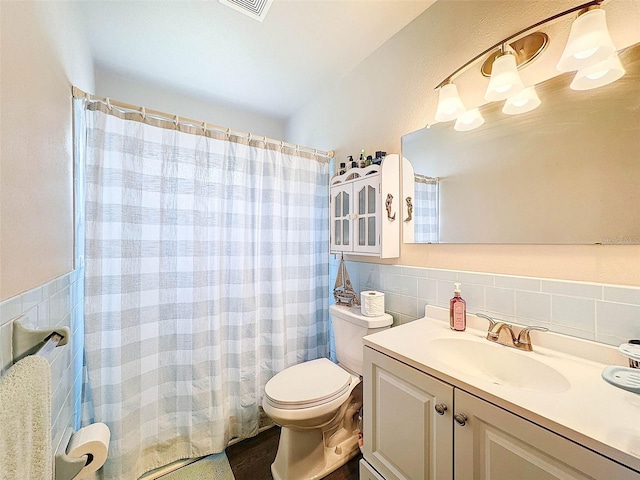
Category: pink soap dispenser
[457,311]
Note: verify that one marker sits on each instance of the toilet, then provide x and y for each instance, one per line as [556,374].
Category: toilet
[317,402]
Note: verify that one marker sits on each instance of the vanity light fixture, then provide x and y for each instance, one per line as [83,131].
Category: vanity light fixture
[598,75]
[589,51]
[449,104]
[522,102]
[469,120]
[589,41]
[505,79]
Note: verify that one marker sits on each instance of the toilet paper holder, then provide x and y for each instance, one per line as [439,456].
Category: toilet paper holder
[67,467]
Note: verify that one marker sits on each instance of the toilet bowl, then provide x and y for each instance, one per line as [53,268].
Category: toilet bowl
[317,403]
[314,405]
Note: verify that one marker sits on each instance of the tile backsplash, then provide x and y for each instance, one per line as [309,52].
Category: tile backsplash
[607,314]
[54,304]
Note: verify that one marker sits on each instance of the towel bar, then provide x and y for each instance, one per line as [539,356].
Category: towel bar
[27,341]
[50,343]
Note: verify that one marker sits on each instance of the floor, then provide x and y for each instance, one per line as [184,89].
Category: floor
[251,459]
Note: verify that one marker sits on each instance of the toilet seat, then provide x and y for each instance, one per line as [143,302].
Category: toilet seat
[308,384]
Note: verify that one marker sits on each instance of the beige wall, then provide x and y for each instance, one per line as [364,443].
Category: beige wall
[175,103]
[391,94]
[42,55]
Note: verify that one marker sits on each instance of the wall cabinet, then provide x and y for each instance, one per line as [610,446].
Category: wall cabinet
[365,210]
[417,427]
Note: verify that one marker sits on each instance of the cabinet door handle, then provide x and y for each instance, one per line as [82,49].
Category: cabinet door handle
[440,408]
[409,209]
[388,206]
[461,419]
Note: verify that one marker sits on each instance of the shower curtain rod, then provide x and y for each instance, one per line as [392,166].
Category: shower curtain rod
[425,179]
[144,112]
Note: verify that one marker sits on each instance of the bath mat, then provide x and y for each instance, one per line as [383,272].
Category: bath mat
[213,467]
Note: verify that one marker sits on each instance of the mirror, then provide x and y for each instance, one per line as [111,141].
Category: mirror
[567,172]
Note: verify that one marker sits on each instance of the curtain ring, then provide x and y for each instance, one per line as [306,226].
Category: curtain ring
[109,106]
[265,140]
[176,120]
[281,145]
[143,112]
[249,138]
[228,133]
[204,127]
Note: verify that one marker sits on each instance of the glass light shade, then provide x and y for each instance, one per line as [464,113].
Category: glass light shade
[598,75]
[469,120]
[505,80]
[522,102]
[449,103]
[589,42]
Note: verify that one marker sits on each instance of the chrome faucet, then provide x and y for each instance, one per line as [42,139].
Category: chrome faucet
[521,342]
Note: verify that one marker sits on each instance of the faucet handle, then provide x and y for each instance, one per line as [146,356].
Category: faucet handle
[492,321]
[523,336]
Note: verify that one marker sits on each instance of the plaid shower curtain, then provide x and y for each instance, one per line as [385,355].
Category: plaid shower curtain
[206,273]
[426,215]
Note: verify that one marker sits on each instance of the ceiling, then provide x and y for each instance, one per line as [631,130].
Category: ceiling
[209,50]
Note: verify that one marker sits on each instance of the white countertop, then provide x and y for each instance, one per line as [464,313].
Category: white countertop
[590,412]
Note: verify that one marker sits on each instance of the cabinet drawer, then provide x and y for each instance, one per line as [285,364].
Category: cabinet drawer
[367,472]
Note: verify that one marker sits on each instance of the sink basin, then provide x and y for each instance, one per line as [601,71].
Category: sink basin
[498,364]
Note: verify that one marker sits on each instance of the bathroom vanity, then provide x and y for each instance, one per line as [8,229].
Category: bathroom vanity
[447,405]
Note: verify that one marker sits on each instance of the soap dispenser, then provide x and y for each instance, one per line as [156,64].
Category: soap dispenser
[457,311]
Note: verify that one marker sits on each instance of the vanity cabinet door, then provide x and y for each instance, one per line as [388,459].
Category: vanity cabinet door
[493,444]
[405,438]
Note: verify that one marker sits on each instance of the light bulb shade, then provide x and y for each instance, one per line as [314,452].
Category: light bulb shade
[449,103]
[505,80]
[522,102]
[598,75]
[469,120]
[589,42]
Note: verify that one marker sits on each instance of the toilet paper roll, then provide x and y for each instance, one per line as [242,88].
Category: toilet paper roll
[372,303]
[93,441]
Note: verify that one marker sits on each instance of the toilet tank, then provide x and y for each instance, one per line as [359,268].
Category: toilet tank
[349,326]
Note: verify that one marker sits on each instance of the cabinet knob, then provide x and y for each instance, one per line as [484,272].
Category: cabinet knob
[440,408]
[461,419]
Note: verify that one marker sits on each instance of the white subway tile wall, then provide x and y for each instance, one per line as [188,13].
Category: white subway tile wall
[57,303]
[607,314]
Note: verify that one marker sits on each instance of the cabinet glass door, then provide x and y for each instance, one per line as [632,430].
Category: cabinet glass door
[367,235]
[340,218]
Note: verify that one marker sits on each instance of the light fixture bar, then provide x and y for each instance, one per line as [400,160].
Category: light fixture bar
[450,78]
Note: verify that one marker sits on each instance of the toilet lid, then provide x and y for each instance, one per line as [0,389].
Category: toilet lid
[307,384]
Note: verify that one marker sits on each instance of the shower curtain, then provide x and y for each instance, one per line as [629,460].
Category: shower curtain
[206,274]
[426,210]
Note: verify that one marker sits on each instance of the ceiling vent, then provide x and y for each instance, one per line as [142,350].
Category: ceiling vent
[256,9]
